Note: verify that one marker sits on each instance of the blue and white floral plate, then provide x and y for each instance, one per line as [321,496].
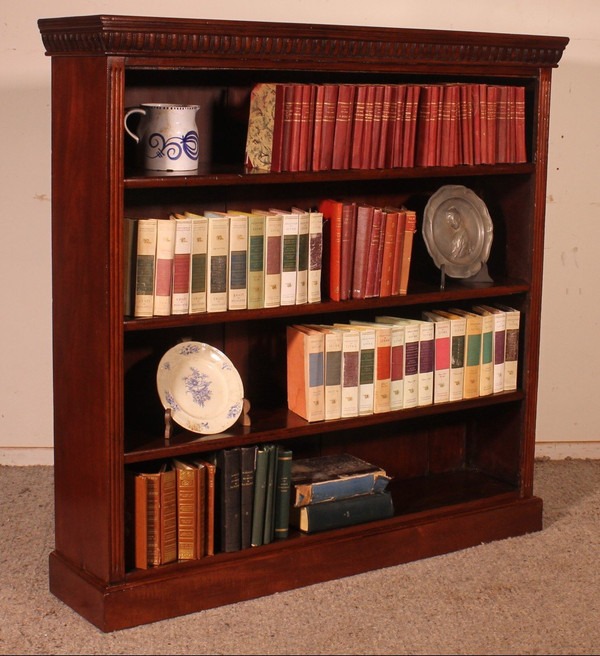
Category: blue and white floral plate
[201,387]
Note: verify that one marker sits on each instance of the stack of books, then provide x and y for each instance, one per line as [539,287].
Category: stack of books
[192,508]
[358,368]
[339,490]
[222,261]
[319,127]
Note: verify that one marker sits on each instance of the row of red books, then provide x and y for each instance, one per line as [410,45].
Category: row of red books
[318,127]
[368,249]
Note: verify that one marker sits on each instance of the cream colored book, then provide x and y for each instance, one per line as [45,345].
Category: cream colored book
[511,352]
[486,378]
[289,255]
[397,367]
[350,370]
[366,367]
[198,262]
[499,345]
[217,267]
[303,255]
[237,285]
[255,275]
[180,300]
[145,266]
[163,273]
[383,364]
[315,256]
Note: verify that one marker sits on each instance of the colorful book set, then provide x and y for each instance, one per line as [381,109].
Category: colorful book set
[360,367]
[320,127]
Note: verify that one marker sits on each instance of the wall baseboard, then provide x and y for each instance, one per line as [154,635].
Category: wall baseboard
[561,450]
[31,456]
[26,457]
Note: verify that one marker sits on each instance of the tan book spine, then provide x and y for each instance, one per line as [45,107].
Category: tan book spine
[163,274]
[145,265]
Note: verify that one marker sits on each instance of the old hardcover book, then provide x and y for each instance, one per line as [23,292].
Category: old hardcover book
[347,249]
[160,492]
[410,227]
[315,160]
[315,255]
[373,252]
[472,352]
[260,495]
[333,370]
[358,126]
[486,378]
[385,128]
[237,284]
[305,371]
[229,473]
[342,126]
[458,327]
[198,262]
[340,476]
[511,352]
[217,262]
[288,117]
[519,120]
[330,96]
[191,510]
[247,481]
[390,240]
[163,274]
[411,110]
[283,490]
[350,371]
[129,263]
[364,222]
[305,127]
[144,268]
[265,127]
[398,249]
[291,162]
[367,146]
[209,506]
[303,255]
[268,529]
[272,256]
[180,300]
[332,213]
[376,126]
[289,255]
[397,367]
[343,512]
[366,366]
[441,372]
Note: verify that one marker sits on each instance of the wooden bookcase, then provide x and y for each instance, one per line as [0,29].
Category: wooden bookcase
[463,472]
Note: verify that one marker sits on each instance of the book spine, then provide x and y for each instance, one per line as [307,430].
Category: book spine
[387,261]
[180,302]
[499,350]
[472,357]
[343,118]
[364,220]
[333,375]
[229,467]
[260,493]
[486,381]
[256,261]
[441,383]
[426,363]
[187,513]
[350,373]
[315,259]
[511,354]
[373,253]
[344,512]
[328,126]
[272,264]
[145,264]
[289,259]
[347,249]
[198,265]
[168,516]
[282,494]
[247,481]
[410,228]
[411,366]
[333,490]
[383,379]
[217,263]
[163,275]
[270,495]
[237,288]
[367,372]
[303,258]
[358,126]
[397,368]
[142,516]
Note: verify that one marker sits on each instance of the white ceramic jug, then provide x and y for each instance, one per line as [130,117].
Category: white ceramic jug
[167,136]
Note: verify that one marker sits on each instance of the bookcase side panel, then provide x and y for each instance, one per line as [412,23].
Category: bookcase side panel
[87,321]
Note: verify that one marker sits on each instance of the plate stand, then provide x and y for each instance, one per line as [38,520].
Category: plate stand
[480,279]
[244,419]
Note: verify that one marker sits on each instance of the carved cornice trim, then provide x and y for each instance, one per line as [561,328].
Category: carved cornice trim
[292,43]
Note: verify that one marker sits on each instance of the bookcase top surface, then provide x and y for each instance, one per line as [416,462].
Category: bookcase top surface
[292,42]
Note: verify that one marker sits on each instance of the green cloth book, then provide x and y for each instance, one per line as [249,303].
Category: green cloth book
[260,494]
[283,494]
[270,496]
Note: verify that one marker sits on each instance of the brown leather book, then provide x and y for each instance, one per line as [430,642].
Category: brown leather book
[209,505]
[409,231]
[364,221]
[347,249]
[191,510]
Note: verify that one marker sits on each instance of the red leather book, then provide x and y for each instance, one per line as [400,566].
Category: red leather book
[358,126]
[368,127]
[384,134]
[434,125]
[379,269]
[502,131]
[311,127]
[304,118]
[424,119]
[411,113]
[492,113]
[347,249]
[317,127]
[328,126]
[373,252]
[376,127]
[485,158]
[295,146]
[387,260]
[446,142]
[288,108]
[364,221]
[466,122]
[332,214]
[520,145]
[343,126]
[409,230]
[397,135]
[398,246]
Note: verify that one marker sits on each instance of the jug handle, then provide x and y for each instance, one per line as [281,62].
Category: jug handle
[135,110]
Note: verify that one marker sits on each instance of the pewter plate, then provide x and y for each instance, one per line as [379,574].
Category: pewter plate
[458,231]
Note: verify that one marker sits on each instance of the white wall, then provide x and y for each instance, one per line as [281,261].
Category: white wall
[567,415]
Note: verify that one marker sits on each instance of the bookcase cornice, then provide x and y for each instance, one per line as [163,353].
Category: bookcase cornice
[292,42]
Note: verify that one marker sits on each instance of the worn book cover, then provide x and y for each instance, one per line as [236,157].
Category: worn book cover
[339,476]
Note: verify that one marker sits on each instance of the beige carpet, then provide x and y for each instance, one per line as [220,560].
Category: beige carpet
[537,594]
